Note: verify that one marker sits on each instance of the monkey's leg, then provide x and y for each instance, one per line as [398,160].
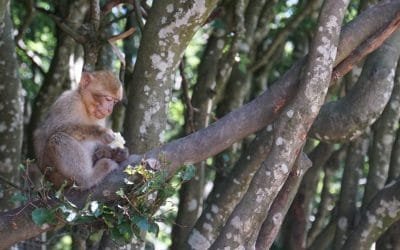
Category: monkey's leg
[69,159]
[101,168]
[102,151]
[105,151]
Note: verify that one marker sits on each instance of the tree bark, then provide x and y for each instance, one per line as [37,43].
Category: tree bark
[170,26]
[11,112]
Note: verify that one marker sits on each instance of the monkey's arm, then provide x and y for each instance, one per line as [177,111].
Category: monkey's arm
[82,132]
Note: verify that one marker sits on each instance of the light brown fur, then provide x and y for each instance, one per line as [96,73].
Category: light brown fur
[66,142]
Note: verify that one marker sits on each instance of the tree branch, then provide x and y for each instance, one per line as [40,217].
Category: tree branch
[366,48]
[64,27]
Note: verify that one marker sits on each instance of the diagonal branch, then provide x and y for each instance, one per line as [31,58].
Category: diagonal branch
[366,48]
[63,26]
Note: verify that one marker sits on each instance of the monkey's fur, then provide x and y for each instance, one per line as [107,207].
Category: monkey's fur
[71,143]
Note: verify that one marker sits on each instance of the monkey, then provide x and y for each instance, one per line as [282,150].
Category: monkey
[71,142]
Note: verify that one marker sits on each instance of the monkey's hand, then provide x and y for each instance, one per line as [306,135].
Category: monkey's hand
[119,154]
[101,152]
[108,136]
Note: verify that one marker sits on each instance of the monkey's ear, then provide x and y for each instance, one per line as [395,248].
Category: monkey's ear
[86,79]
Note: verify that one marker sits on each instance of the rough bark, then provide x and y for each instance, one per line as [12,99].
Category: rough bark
[191,193]
[324,239]
[169,28]
[300,210]
[385,127]
[379,215]
[350,116]
[272,224]
[57,78]
[11,111]
[3,8]
[227,193]
[390,240]
[347,208]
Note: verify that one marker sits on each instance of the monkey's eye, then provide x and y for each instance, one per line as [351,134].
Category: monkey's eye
[108,98]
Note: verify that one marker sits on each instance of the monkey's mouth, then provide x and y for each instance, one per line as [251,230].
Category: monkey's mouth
[99,114]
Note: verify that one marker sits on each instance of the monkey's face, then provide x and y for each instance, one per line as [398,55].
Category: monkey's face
[102,105]
[100,91]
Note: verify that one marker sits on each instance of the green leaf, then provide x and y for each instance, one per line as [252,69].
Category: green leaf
[153,228]
[84,219]
[188,173]
[125,230]
[43,215]
[19,197]
[120,193]
[129,170]
[117,236]
[141,222]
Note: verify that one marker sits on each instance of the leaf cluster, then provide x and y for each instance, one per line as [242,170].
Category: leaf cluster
[126,218]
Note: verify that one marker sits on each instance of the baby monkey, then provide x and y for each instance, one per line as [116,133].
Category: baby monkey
[71,144]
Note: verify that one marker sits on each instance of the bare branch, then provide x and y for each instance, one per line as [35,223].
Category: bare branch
[188,102]
[30,9]
[138,12]
[64,27]
[121,36]
[366,48]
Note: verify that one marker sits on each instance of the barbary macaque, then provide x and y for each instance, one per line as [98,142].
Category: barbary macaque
[71,144]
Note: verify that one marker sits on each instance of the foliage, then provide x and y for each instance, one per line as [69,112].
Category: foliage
[125,219]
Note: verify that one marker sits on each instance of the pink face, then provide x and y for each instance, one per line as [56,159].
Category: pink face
[103,105]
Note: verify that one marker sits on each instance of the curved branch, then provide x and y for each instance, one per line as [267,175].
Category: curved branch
[348,117]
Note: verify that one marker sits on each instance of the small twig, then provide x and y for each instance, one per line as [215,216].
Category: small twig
[29,6]
[35,59]
[64,27]
[118,18]
[188,103]
[4,180]
[95,13]
[111,4]
[138,14]
[122,35]
[365,48]
[283,33]
[145,6]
